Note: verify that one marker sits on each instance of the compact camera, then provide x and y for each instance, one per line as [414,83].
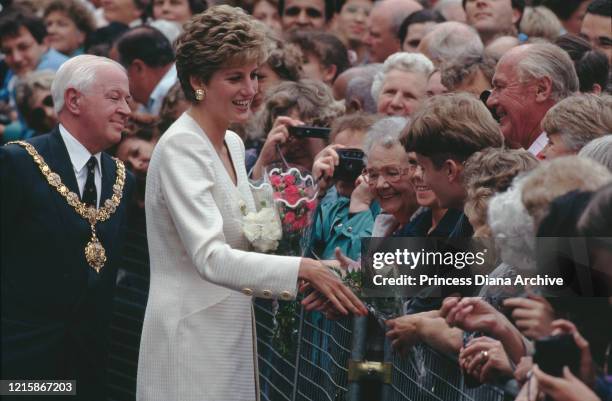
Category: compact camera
[350,166]
[554,352]
[303,131]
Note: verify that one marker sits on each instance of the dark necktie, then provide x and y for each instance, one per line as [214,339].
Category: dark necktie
[90,195]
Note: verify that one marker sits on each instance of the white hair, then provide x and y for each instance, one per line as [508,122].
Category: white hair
[409,62]
[547,60]
[600,150]
[512,227]
[77,73]
[386,132]
[450,39]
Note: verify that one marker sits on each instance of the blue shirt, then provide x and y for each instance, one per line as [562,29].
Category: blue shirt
[335,227]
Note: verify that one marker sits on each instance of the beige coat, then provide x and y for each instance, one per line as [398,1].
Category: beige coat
[197,341]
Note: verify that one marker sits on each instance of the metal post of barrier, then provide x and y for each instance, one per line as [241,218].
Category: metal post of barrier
[358,351]
[387,390]
[297,355]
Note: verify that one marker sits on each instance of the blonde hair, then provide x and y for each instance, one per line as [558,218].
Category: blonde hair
[221,37]
[488,172]
[579,119]
[540,22]
[557,177]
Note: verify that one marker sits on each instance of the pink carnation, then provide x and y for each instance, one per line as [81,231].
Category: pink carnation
[292,197]
[275,180]
[289,179]
[311,205]
[289,218]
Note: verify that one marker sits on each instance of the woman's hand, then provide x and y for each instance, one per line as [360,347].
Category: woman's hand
[324,164]
[566,388]
[587,371]
[362,196]
[529,391]
[475,314]
[470,314]
[330,287]
[404,332]
[278,135]
[485,359]
[532,315]
[522,369]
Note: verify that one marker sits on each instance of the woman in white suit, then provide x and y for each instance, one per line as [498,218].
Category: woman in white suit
[197,341]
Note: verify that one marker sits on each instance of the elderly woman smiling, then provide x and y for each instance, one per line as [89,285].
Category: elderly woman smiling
[401,84]
[388,174]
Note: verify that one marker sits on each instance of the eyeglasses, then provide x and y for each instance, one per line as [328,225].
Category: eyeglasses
[391,174]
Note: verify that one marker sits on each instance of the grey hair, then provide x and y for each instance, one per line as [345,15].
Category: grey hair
[36,80]
[456,71]
[443,4]
[600,150]
[547,60]
[579,119]
[540,22]
[78,73]
[512,227]
[408,62]
[385,132]
[450,39]
[360,87]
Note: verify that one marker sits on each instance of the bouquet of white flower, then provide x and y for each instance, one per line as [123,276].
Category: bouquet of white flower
[263,229]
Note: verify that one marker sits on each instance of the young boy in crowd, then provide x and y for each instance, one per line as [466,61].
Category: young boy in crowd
[444,133]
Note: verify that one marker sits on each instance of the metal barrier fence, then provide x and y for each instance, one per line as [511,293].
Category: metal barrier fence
[426,375]
[315,368]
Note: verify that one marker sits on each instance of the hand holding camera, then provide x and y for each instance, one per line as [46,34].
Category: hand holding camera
[278,135]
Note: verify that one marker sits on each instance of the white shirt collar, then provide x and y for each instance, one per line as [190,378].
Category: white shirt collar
[79,155]
[161,89]
[539,144]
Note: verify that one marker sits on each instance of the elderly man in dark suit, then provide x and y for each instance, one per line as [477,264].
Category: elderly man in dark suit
[63,210]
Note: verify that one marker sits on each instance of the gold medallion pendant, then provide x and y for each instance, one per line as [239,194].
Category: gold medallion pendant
[95,254]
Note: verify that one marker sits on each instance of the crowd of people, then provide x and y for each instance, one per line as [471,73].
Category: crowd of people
[489,119]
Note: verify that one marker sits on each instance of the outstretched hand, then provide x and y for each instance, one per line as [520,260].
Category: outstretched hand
[532,315]
[485,359]
[470,314]
[330,287]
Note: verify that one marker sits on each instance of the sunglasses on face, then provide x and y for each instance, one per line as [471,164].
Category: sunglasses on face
[39,112]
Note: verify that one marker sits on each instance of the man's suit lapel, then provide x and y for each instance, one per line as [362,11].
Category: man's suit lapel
[59,161]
